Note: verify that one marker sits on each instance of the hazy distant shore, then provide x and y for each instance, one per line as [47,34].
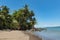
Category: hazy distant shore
[17,35]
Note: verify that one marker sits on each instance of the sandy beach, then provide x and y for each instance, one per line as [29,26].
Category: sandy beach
[17,35]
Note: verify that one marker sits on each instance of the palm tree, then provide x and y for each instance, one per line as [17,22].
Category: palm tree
[5,10]
[25,17]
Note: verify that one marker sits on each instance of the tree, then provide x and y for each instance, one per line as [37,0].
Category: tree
[5,18]
[25,17]
[22,19]
[5,10]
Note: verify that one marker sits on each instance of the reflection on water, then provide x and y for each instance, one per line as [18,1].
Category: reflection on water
[49,34]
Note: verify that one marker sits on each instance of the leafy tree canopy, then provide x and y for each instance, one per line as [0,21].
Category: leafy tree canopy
[22,19]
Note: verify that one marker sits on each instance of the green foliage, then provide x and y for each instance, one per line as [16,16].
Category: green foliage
[21,19]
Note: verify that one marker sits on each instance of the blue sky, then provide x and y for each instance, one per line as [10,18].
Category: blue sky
[47,12]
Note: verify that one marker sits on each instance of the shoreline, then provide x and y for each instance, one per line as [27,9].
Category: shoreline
[32,36]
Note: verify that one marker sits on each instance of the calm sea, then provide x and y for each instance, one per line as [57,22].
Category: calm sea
[52,33]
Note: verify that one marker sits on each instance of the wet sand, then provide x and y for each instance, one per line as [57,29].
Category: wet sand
[32,37]
[17,35]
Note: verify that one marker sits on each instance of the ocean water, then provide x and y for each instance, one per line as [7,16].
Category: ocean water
[49,34]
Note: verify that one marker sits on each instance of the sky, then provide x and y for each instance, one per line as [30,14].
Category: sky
[47,12]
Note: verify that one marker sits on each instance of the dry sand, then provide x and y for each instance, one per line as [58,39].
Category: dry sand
[16,35]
